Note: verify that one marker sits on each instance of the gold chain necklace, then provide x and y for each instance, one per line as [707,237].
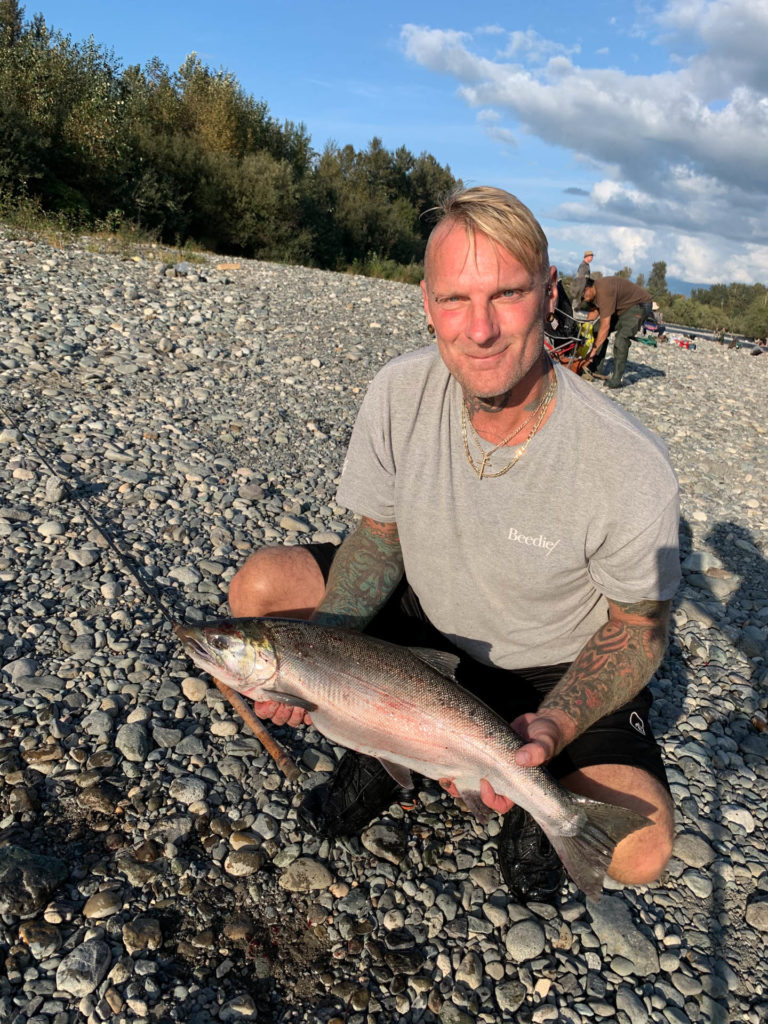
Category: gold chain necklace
[538,412]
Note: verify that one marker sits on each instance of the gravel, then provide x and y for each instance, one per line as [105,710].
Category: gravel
[151,865]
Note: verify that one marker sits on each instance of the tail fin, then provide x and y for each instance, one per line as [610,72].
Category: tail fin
[587,854]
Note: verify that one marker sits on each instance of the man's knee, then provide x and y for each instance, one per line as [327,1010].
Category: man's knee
[277,581]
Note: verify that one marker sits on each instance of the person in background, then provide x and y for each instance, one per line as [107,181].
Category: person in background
[581,276]
[622,307]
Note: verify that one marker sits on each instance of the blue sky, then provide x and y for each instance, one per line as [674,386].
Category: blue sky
[637,129]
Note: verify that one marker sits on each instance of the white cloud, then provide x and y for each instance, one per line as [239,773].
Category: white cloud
[502,135]
[681,151]
[534,47]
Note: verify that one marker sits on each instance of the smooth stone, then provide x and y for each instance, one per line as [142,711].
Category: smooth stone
[757,914]
[304,875]
[614,927]
[187,790]
[470,970]
[133,742]
[20,668]
[510,996]
[693,850]
[244,862]
[525,941]
[44,939]
[194,689]
[83,970]
[102,904]
[50,528]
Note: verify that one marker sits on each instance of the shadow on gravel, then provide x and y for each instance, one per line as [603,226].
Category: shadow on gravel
[636,372]
[273,960]
[734,735]
[735,547]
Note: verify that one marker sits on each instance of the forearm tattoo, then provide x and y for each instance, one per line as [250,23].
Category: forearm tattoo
[367,568]
[614,665]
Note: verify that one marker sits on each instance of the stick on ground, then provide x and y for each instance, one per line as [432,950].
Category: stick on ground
[272,747]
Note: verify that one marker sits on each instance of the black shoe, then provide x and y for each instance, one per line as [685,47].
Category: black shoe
[531,868]
[358,791]
[612,383]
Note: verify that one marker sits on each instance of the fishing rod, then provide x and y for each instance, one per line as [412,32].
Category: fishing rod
[276,751]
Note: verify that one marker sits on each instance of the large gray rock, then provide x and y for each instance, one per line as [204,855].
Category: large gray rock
[612,923]
[83,970]
[133,742]
[27,880]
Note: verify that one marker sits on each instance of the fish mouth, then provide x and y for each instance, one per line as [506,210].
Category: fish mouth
[192,643]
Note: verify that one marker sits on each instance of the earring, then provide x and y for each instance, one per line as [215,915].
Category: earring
[431,328]
[550,318]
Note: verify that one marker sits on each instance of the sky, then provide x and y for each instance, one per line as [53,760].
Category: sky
[635,128]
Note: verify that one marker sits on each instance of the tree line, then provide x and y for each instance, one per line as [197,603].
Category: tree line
[735,308]
[189,156]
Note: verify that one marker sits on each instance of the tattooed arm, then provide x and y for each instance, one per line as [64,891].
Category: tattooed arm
[365,571]
[611,669]
[367,568]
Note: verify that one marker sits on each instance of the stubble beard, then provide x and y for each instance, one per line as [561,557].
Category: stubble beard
[497,400]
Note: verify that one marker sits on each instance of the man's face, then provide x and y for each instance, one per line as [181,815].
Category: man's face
[488,311]
[588,258]
[589,293]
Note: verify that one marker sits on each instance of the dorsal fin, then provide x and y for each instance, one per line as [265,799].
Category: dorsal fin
[441,661]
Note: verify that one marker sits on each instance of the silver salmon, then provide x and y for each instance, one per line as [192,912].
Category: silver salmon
[403,706]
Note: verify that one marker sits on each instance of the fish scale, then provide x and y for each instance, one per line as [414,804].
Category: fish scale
[404,707]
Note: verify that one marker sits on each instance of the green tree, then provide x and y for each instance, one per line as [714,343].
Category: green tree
[625,272]
[11,23]
[657,282]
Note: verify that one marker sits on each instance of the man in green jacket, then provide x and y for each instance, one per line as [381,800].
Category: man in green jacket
[623,306]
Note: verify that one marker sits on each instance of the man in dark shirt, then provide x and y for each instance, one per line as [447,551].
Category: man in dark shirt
[581,277]
[623,306]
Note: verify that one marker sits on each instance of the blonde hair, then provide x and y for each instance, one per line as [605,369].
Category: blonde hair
[499,216]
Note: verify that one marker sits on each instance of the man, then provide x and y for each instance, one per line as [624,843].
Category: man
[490,528]
[581,277]
[622,306]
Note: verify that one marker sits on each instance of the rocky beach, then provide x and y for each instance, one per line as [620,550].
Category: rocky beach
[151,866]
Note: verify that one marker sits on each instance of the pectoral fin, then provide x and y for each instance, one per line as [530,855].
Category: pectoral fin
[288,698]
[474,803]
[401,775]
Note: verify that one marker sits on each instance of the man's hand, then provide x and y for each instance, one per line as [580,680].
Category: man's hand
[281,714]
[545,735]
[490,798]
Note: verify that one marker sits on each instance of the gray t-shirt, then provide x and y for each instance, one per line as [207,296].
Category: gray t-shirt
[515,569]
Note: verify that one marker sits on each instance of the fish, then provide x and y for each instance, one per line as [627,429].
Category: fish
[403,706]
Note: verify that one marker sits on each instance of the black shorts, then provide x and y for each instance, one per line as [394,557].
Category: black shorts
[623,737]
